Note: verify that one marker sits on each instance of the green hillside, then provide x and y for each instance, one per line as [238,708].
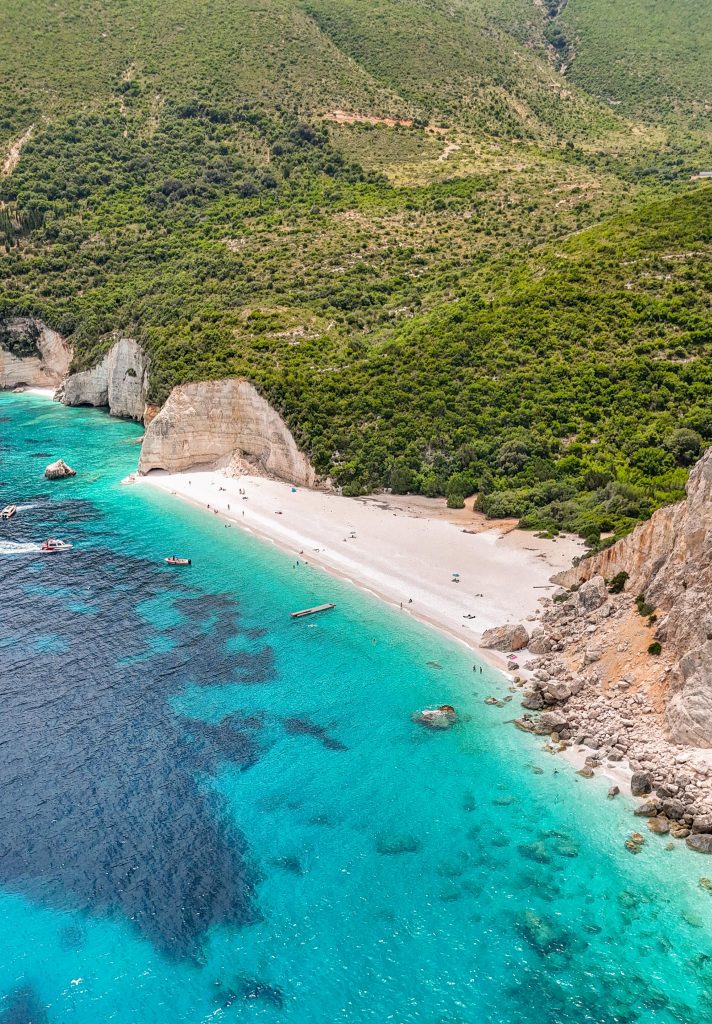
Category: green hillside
[648,58]
[506,291]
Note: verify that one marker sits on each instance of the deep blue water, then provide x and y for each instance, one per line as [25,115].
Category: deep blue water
[211,812]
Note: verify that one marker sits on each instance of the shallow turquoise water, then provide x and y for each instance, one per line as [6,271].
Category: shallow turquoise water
[211,812]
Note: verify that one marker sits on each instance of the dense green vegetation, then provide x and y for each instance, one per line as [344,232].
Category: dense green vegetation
[650,58]
[508,294]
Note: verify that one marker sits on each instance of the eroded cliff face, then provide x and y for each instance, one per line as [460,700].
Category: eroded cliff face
[218,423]
[119,381]
[32,354]
[669,560]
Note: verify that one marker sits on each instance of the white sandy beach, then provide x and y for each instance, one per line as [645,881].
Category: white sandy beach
[403,549]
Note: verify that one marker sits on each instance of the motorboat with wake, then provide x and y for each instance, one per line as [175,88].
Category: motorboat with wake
[52,544]
[8,512]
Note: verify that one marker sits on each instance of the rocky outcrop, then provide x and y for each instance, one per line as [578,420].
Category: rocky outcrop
[669,560]
[58,470]
[505,638]
[220,423]
[119,382]
[32,354]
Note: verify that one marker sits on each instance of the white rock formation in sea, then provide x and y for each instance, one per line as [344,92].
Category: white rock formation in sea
[669,560]
[215,422]
[32,354]
[119,381]
[58,470]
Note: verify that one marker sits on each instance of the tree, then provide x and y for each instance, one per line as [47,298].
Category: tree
[684,445]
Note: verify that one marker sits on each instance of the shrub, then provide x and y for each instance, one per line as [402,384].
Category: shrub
[643,607]
[655,647]
[616,585]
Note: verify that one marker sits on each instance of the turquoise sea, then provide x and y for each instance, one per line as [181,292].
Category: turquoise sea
[211,812]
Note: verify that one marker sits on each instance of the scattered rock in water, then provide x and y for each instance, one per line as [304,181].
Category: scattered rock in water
[660,825]
[640,784]
[505,638]
[391,845]
[679,831]
[443,717]
[586,772]
[503,801]
[613,792]
[499,839]
[544,934]
[253,988]
[634,843]
[700,841]
[494,702]
[564,847]
[525,724]
[536,770]
[535,851]
[434,664]
[450,894]
[469,803]
[455,867]
[706,883]
[290,864]
[58,470]
[648,809]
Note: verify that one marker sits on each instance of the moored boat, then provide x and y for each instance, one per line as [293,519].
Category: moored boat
[54,544]
[8,512]
[174,560]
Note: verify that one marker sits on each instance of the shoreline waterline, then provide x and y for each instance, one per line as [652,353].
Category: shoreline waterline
[500,575]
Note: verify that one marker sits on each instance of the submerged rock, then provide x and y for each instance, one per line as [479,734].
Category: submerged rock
[390,844]
[59,469]
[659,825]
[544,934]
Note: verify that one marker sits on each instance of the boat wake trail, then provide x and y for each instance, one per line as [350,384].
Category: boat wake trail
[9,547]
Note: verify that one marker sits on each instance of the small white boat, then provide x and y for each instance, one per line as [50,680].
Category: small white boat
[8,512]
[53,544]
[174,560]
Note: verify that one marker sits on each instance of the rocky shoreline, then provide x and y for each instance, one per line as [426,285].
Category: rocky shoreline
[569,695]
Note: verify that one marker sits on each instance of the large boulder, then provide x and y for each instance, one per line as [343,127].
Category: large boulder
[505,638]
[550,721]
[592,594]
[59,469]
[640,784]
[701,842]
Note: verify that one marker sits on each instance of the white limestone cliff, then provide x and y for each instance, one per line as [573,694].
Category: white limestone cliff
[219,422]
[119,381]
[31,354]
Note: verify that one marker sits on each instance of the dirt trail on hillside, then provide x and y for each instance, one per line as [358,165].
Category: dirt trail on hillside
[13,154]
